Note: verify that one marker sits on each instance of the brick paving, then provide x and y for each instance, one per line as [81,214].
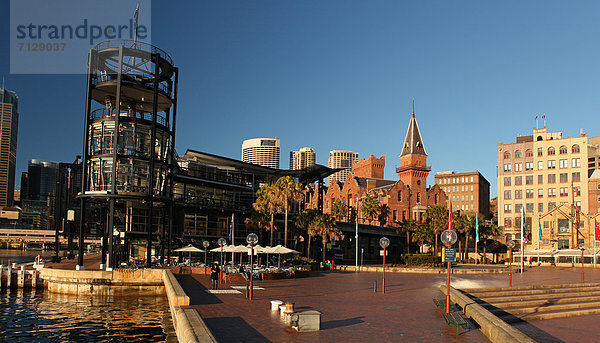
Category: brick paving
[351,312]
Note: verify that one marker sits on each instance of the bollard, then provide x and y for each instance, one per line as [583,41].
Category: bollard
[9,278]
[247,291]
[375,286]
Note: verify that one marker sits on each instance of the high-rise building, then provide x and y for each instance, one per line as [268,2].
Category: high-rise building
[540,172]
[262,151]
[9,125]
[41,191]
[341,159]
[469,192]
[305,157]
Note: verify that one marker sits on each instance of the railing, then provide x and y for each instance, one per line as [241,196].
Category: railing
[217,175]
[103,112]
[208,201]
[144,79]
[131,44]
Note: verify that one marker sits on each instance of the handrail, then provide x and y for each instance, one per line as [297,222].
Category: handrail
[128,43]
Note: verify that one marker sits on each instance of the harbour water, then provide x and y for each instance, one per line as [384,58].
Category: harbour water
[42,316]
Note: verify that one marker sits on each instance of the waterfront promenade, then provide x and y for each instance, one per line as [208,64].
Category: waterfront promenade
[352,312]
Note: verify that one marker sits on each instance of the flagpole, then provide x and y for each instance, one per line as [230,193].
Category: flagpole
[233,238]
[522,238]
[476,235]
[539,239]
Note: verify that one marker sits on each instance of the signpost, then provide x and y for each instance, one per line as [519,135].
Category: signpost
[221,243]
[582,247]
[510,244]
[449,237]
[205,244]
[384,242]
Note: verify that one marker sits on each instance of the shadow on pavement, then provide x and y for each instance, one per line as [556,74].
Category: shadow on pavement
[233,329]
[196,291]
[332,324]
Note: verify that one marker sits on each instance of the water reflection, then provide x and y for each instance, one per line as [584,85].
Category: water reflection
[41,316]
[22,256]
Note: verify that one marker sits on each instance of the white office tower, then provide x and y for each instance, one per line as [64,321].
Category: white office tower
[262,151]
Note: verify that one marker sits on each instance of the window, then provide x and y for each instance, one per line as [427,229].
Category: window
[575,162]
[563,225]
[507,208]
[528,153]
[551,151]
[394,214]
[562,150]
[552,164]
[540,152]
[471,179]
[551,192]
[507,222]
[506,194]
[418,197]
[403,215]
[518,154]
[562,164]
[529,208]
[529,179]
[541,208]
[551,206]
[540,165]
[518,180]
[578,207]
[507,180]
[518,167]
[518,208]
[529,193]
[577,191]
[575,148]
[528,165]
[518,194]
[564,191]
[507,167]
[540,179]
[551,178]
[436,199]
[576,177]
[564,177]
[399,196]
[540,192]
[563,243]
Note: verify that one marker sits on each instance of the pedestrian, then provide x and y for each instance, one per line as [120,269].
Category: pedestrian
[214,275]
[243,272]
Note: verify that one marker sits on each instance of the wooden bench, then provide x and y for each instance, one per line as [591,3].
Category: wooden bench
[457,319]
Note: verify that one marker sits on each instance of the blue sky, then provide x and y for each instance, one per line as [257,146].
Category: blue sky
[342,75]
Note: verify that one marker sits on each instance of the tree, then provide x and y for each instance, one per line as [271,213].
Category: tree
[326,228]
[339,209]
[257,220]
[437,218]
[304,222]
[369,207]
[287,191]
[384,213]
[408,226]
[423,233]
[266,201]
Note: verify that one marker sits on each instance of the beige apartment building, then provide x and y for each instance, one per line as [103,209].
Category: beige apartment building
[469,192]
[540,172]
[303,158]
[341,159]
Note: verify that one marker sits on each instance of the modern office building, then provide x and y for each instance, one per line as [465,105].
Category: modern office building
[40,196]
[305,157]
[469,192]
[9,125]
[341,159]
[262,151]
[538,173]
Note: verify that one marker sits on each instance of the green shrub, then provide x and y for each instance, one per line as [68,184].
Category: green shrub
[422,260]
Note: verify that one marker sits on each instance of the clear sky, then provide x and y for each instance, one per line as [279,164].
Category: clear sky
[342,75]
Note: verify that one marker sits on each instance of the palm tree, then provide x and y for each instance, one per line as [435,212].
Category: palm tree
[339,209]
[384,213]
[369,207]
[266,201]
[408,226]
[327,229]
[304,222]
[287,191]
[437,217]
[424,233]
[257,220]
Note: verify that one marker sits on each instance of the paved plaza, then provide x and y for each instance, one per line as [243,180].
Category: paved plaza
[352,312]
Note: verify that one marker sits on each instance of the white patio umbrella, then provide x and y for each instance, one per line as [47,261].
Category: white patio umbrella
[279,249]
[189,249]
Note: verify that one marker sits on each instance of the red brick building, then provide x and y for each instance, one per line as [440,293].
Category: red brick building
[407,198]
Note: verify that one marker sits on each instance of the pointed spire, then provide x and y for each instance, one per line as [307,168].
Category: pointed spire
[413,143]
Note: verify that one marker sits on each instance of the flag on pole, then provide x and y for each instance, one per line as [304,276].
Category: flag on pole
[135,17]
[540,226]
[231,230]
[476,228]
[450,217]
[597,230]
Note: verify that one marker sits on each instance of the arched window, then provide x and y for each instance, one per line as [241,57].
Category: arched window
[517,153]
[507,154]
[418,197]
[399,196]
[539,138]
[575,148]
[551,151]
[562,149]
[528,153]
[436,199]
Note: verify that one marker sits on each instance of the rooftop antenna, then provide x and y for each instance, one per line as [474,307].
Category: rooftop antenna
[544,117]
[537,126]
[2,82]
[413,113]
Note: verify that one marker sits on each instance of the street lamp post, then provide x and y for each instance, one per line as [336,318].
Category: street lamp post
[251,239]
[510,244]
[582,248]
[448,237]
[221,243]
[205,244]
[356,238]
[384,242]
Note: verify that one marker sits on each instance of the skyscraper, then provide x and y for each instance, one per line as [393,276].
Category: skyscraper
[305,157]
[262,151]
[9,125]
[341,159]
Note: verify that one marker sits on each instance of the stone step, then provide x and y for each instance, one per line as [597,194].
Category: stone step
[545,301]
[561,295]
[547,308]
[490,294]
[509,318]
[473,290]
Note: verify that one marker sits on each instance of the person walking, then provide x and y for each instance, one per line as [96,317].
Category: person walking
[214,275]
